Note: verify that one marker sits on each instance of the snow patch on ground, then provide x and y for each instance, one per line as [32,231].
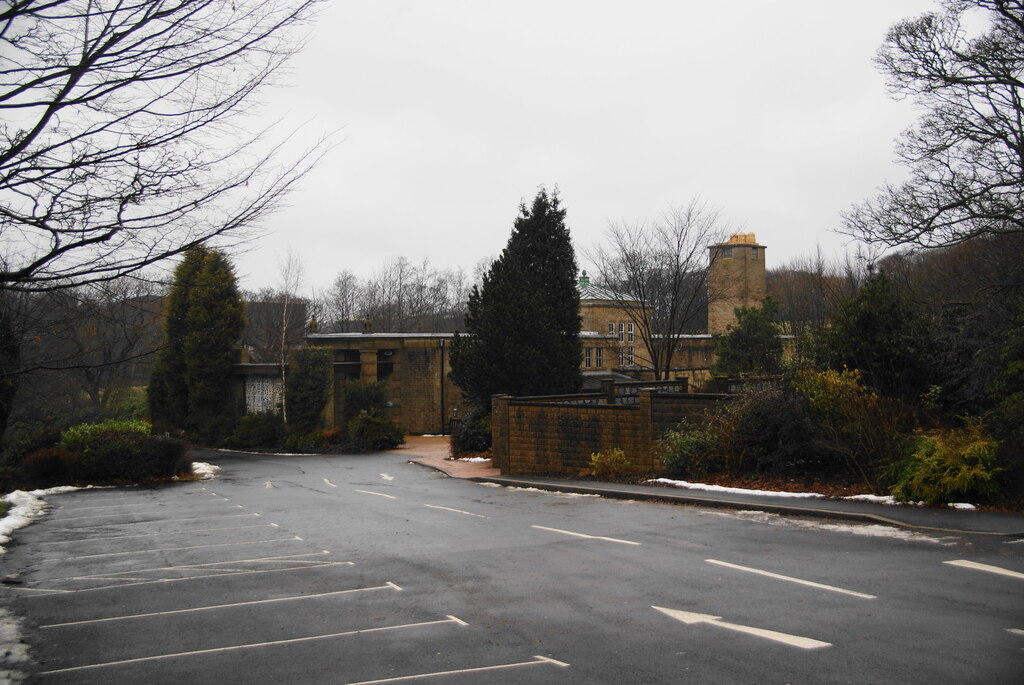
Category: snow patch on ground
[736,491]
[866,530]
[491,485]
[474,460]
[204,471]
[24,507]
[13,649]
[556,493]
[887,500]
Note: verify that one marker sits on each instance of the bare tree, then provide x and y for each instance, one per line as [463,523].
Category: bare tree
[808,289]
[120,137]
[658,274]
[966,153]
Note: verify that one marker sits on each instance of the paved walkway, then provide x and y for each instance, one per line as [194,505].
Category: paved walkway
[433,452]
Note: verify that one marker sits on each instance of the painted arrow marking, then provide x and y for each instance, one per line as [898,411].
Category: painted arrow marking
[690,618]
[986,567]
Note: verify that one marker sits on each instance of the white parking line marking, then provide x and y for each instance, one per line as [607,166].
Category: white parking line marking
[294,538]
[457,511]
[537,660]
[584,535]
[110,506]
[330,483]
[379,494]
[808,583]
[985,567]
[137,523]
[255,645]
[691,618]
[227,573]
[1015,631]
[150,535]
[389,586]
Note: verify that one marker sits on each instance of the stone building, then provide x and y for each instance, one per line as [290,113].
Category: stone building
[736,278]
[414,366]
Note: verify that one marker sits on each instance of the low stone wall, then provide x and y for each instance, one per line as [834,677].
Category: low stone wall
[556,435]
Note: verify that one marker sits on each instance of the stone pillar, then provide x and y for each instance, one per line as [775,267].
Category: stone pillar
[499,433]
[368,365]
[608,390]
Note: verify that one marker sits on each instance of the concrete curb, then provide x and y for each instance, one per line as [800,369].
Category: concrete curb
[758,505]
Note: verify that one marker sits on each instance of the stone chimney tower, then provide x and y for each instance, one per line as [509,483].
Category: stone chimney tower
[736,278]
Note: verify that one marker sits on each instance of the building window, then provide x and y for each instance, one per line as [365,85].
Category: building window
[622,329]
[587,357]
[753,253]
[726,253]
[622,356]
[630,358]
[631,336]
[611,328]
[600,357]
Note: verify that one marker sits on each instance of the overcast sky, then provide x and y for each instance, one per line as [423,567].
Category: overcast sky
[449,113]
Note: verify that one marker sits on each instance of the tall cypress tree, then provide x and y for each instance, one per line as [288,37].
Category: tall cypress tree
[168,392]
[204,319]
[215,321]
[523,322]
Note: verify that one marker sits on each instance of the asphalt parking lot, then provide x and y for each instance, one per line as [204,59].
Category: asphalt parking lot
[349,569]
[182,584]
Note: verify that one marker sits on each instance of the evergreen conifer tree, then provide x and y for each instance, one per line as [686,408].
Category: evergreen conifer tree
[214,323]
[752,346]
[168,392]
[876,332]
[523,321]
[204,320]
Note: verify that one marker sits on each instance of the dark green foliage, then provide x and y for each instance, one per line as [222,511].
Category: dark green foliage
[689,451]
[10,359]
[205,319]
[752,347]
[358,396]
[23,438]
[523,322]
[371,431]
[168,390]
[771,431]
[48,466]
[473,434]
[257,430]
[308,388]
[121,452]
[876,333]
[215,321]
[1007,419]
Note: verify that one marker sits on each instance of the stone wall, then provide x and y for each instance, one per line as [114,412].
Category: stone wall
[557,435]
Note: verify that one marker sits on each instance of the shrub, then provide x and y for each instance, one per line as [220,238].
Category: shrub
[770,430]
[85,436]
[869,432]
[21,439]
[122,452]
[473,434]
[308,388]
[48,466]
[689,451]
[257,430]
[950,465]
[358,396]
[610,464]
[371,431]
